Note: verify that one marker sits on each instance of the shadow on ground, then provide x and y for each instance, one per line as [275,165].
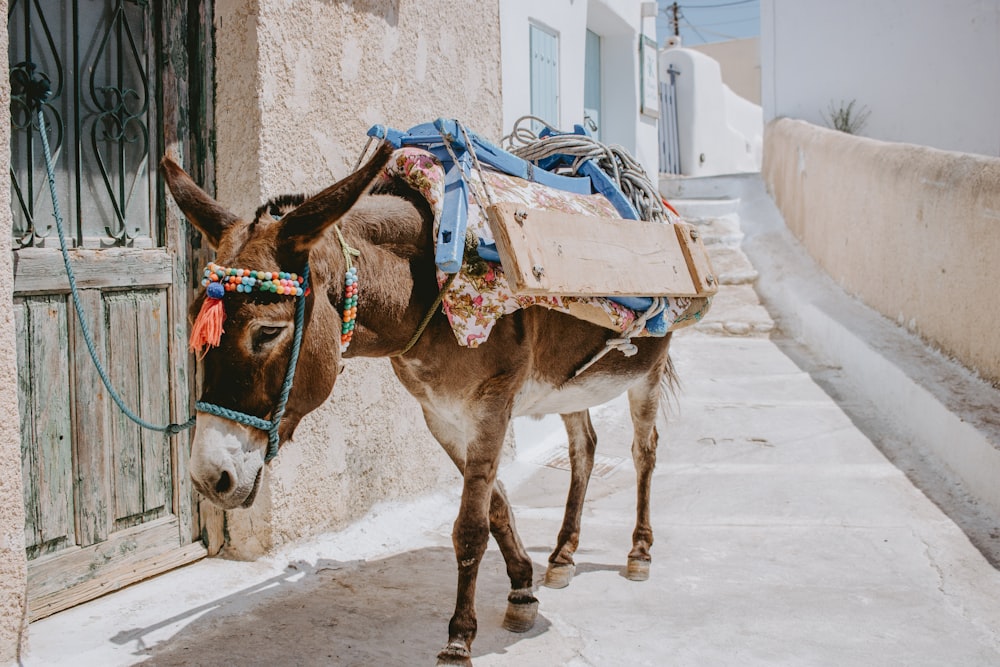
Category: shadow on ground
[393,611]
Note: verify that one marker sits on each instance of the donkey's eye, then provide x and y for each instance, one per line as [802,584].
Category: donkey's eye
[265,335]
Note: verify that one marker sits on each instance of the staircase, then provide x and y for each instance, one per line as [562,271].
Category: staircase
[736,309]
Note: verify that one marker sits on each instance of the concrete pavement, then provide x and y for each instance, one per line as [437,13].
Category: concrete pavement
[784,536]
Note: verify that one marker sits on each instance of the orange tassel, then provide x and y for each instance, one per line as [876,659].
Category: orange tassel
[207,327]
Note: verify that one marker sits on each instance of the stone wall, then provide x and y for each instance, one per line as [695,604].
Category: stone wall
[913,232]
[298,84]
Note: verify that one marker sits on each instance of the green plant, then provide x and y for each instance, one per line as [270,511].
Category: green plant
[846,118]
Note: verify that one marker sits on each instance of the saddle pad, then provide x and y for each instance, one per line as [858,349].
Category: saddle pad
[474,303]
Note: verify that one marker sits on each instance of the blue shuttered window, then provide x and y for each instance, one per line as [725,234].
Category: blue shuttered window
[544,74]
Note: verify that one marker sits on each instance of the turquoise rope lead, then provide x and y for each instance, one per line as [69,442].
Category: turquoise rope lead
[271,425]
[169,429]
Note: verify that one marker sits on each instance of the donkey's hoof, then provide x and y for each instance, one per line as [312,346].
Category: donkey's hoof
[558,575]
[637,569]
[520,616]
[455,654]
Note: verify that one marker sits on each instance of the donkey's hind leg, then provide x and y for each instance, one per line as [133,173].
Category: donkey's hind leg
[644,403]
[582,442]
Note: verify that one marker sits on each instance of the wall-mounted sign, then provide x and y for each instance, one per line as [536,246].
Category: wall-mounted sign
[649,89]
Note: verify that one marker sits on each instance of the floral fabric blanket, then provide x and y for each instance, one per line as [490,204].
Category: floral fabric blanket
[474,303]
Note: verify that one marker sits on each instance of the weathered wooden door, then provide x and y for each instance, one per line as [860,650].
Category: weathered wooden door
[106,502]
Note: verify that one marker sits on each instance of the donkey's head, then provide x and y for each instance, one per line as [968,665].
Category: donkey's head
[246,370]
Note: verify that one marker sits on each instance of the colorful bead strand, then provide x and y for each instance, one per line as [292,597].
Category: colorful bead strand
[350,308]
[247,280]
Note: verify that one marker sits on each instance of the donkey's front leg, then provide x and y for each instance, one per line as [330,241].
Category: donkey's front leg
[470,535]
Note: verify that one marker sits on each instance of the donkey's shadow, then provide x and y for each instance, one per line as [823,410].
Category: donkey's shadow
[392,611]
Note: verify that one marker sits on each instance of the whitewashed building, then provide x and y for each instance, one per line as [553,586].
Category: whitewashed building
[581,62]
[928,72]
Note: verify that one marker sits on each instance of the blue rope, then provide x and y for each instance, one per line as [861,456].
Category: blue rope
[169,429]
[271,426]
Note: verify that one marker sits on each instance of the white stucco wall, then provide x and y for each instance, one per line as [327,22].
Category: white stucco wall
[718,131]
[297,86]
[619,23]
[928,71]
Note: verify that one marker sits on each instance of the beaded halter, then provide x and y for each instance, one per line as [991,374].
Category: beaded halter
[207,329]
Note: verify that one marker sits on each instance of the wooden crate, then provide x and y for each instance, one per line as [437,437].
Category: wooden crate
[567,254]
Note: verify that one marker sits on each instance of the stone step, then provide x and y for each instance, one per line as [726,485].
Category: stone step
[731,266]
[721,231]
[694,210]
[736,311]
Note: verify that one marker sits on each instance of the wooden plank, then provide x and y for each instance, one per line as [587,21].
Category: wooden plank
[113,580]
[41,270]
[32,528]
[696,256]
[125,438]
[154,403]
[50,396]
[90,435]
[73,566]
[74,576]
[553,253]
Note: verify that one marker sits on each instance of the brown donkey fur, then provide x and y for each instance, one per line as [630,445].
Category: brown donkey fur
[468,396]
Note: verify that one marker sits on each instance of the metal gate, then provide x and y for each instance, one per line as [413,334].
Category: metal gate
[106,503]
[670,151]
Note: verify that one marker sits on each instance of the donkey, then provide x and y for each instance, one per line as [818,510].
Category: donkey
[468,396]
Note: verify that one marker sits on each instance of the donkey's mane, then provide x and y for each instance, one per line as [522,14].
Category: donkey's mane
[279,206]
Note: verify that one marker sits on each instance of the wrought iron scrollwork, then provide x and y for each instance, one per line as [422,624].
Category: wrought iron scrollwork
[27,81]
[120,123]
[98,125]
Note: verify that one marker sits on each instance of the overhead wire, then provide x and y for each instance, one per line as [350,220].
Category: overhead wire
[697,29]
[725,4]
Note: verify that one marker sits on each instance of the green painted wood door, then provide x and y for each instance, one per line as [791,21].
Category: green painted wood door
[106,502]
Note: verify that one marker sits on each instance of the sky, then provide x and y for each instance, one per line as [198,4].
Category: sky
[705,21]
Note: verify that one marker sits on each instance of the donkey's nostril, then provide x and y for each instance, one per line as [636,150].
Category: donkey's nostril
[224,483]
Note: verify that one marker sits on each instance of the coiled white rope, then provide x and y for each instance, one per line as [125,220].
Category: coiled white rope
[623,169]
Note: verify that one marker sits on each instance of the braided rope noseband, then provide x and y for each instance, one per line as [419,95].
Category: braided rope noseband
[219,280]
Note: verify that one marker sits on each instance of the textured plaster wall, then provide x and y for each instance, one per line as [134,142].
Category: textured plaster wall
[13,566]
[914,232]
[297,86]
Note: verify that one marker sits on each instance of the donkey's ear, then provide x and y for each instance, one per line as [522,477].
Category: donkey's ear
[204,212]
[306,224]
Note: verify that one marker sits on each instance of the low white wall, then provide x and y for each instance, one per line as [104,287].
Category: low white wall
[913,232]
[719,132]
[297,86]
